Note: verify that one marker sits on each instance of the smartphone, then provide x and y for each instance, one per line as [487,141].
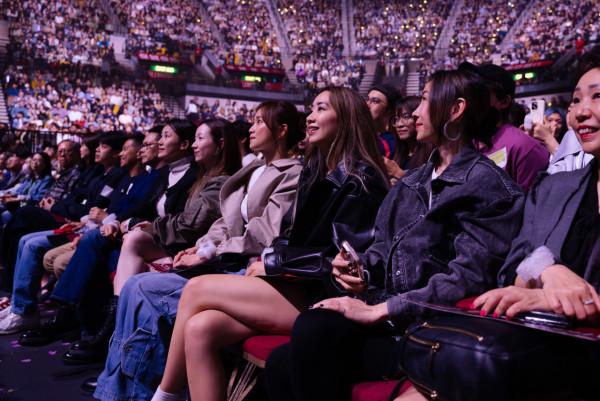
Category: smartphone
[355,266]
[549,319]
[528,123]
[537,111]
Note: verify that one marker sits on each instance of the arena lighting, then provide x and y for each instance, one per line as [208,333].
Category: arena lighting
[530,75]
[165,69]
[518,77]
[250,78]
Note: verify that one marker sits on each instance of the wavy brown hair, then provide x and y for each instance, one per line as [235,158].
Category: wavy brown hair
[356,139]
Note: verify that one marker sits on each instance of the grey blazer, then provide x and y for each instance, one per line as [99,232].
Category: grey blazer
[268,201]
[549,212]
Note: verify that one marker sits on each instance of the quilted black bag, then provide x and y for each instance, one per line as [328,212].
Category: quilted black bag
[469,358]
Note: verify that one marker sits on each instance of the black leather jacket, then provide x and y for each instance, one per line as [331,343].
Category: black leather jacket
[336,208]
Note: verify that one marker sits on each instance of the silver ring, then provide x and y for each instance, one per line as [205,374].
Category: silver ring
[589,301]
[101,232]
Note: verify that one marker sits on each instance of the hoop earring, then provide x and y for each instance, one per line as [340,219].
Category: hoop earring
[446,133]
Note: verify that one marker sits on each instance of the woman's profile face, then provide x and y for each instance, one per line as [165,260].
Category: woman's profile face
[84,151]
[404,123]
[585,112]
[38,164]
[322,124]
[261,137]
[169,145]
[425,131]
[206,150]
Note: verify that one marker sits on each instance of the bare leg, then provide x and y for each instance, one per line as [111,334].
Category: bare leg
[206,333]
[412,394]
[138,248]
[252,305]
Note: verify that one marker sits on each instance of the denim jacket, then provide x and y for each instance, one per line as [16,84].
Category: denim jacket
[452,249]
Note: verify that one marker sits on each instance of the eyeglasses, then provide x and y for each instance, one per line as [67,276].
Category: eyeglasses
[403,118]
[374,100]
[148,145]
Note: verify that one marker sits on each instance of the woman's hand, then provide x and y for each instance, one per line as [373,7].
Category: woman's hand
[355,310]
[256,269]
[393,170]
[141,225]
[188,261]
[189,251]
[544,134]
[511,300]
[9,199]
[341,271]
[570,294]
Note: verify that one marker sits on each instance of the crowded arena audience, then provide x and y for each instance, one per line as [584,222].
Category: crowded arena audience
[481,26]
[163,28]
[248,31]
[391,30]
[170,240]
[66,100]
[548,31]
[58,33]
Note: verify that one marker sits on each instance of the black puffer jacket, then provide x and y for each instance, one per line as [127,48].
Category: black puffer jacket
[339,207]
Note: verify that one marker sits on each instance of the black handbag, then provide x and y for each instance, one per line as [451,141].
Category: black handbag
[469,358]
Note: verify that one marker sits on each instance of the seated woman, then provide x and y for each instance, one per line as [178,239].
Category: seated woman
[442,233]
[253,203]
[340,191]
[33,189]
[217,155]
[409,152]
[552,265]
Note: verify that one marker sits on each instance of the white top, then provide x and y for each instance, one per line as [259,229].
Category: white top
[176,172]
[253,178]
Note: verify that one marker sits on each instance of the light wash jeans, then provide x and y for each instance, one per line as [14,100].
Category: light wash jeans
[29,271]
[138,348]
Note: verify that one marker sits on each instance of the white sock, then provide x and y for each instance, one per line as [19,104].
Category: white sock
[163,396]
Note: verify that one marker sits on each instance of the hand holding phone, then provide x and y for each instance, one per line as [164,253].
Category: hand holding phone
[355,267]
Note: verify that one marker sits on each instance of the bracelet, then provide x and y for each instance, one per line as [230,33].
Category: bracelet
[532,267]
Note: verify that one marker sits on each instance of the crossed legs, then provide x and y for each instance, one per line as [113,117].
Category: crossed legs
[218,310]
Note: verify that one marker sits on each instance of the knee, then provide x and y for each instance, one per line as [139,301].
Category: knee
[133,239]
[197,287]
[199,331]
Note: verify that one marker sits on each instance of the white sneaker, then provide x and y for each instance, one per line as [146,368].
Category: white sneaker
[5,312]
[14,323]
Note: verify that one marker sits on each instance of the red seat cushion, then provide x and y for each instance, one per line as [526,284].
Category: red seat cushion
[376,391]
[261,346]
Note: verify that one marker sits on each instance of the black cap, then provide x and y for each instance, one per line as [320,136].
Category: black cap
[391,94]
[494,73]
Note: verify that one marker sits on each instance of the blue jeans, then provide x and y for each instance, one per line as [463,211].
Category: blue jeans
[138,348]
[29,271]
[93,253]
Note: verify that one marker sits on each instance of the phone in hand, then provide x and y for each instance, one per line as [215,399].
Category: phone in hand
[355,266]
[537,111]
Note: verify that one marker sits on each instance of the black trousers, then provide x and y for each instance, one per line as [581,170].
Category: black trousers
[327,355]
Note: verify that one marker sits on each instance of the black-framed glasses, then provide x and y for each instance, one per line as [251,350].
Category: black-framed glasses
[374,100]
[404,118]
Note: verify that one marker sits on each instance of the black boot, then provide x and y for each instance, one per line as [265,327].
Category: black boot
[63,326]
[95,349]
[89,385]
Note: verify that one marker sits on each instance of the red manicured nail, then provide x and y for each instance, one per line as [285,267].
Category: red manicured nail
[472,306]
[494,314]
[482,313]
